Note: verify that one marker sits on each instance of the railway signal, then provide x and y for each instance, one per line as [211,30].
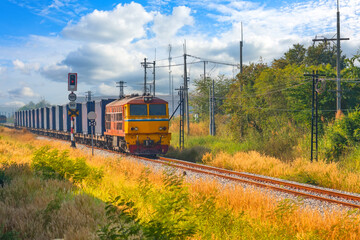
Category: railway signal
[72,86]
[92,116]
[72,82]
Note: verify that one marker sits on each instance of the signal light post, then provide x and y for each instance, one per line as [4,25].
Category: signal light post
[73,112]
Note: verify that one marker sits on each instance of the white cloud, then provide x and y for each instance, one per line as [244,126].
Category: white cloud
[97,63]
[56,72]
[107,90]
[123,24]
[108,46]
[25,68]
[22,92]
[166,27]
[14,104]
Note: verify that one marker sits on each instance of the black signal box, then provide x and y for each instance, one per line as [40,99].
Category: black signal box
[72,82]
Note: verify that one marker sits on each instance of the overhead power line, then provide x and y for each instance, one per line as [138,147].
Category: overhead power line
[213,61]
[176,65]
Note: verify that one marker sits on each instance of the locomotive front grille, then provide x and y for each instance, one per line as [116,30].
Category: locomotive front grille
[148,143]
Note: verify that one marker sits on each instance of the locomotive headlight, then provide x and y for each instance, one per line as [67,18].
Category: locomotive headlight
[134,129]
[162,128]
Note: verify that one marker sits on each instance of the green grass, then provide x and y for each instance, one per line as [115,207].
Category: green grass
[214,143]
[197,146]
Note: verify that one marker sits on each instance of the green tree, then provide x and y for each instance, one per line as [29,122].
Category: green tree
[320,54]
[199,98]
[32,105]
[296,55]
[323,54]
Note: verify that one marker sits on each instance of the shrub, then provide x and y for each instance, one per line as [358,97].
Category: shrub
[8,234]
[121,216]
[342,135]
[172,217]
[192,154]
[55,164]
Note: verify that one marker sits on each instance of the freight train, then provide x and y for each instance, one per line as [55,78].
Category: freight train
[2,119]
[134,124]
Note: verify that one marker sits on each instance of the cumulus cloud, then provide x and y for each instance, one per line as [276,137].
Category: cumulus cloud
[14,104]
[25,68]
[56,72]
[108,90]
[103,62]
[21,92]
[108,46]
[272,31]
[166,27]
[123,24]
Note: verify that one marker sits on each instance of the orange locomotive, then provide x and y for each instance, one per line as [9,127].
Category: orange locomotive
[138,124]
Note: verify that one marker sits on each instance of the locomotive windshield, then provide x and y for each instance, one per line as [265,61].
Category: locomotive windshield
[157,109]
[138,110]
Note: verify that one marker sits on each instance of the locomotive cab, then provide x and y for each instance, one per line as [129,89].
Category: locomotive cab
[139,125]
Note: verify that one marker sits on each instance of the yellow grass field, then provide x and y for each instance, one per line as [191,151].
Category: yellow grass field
[212,210]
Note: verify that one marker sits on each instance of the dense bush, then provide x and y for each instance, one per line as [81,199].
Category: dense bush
[54,164]
[342,135]
[192,154]
[171,216]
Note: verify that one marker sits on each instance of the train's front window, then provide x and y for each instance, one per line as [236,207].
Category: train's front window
[138,110]
[157,109]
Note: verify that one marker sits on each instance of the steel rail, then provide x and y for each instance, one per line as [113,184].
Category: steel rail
[267,179]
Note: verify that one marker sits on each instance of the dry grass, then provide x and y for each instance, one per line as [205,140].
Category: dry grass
[319,173]
[38,209]
[239,213]
[262,209]
[197,129]
[202,128]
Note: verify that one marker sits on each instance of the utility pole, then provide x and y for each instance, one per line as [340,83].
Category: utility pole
[338,55]
[145,66]
[88,97]
[170,68]
[213,108]
[314,115]
[210,112]
[121,86]
[241,50]
[171,92]
[186,92]
[182,116]
[154,77]
[338,75]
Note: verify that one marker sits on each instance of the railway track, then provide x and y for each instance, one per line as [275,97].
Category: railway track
[302,190]
[297,189]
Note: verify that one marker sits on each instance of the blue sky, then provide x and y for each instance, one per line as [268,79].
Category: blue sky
[104,41]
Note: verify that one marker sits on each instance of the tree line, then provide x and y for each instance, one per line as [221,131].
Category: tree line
[272,102]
